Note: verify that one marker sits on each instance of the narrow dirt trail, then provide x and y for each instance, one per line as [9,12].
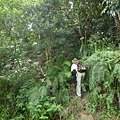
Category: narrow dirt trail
[78,107]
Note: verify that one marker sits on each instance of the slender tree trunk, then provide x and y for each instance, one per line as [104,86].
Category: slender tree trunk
[117,22]
[80,32]
[119,16]
[47,47]
[48,50]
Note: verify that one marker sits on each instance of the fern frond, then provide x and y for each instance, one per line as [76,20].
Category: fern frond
[102,55]
[99,73]
[37,93]
[116,71]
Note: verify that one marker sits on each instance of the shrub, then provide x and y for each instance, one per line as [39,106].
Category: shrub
[104,81]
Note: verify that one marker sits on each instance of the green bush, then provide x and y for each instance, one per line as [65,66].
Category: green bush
[104,81]
[44,109]
[26,92]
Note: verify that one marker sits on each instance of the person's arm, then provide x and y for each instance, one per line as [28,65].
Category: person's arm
[83,68]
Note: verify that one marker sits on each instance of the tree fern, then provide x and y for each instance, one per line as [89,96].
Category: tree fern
[99,73]
[104,78]
[116,71]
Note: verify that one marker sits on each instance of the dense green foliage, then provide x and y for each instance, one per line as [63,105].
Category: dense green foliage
[38,40]
[104,81]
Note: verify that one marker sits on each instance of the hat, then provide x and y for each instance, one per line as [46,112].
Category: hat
[75,61]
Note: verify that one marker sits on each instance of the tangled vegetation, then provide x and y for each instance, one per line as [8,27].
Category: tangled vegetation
[38,40]
[104,82]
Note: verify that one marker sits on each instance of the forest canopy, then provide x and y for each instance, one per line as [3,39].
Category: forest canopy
[38,40]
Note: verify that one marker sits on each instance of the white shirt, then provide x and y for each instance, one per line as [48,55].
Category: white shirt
[74,67]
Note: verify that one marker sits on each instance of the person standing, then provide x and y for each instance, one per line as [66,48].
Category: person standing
[80,74]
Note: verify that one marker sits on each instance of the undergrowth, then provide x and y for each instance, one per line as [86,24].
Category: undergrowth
[104,83]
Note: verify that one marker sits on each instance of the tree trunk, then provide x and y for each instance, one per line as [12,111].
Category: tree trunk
[117,22]
[48,50]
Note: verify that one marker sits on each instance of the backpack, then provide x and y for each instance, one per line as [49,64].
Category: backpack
[81,68]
